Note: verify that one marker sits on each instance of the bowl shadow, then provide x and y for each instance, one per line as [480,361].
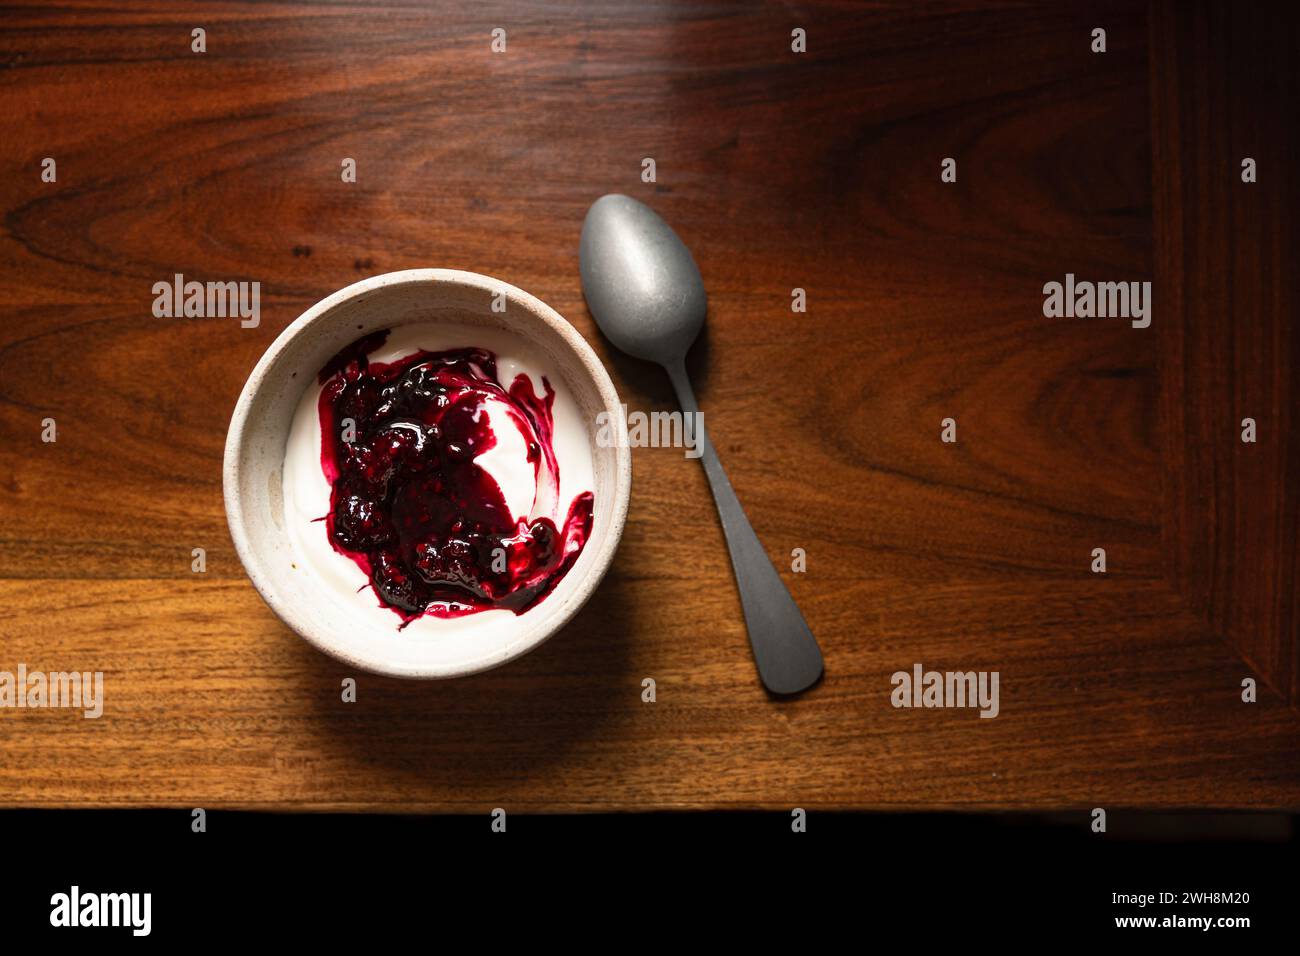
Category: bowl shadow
[446,741]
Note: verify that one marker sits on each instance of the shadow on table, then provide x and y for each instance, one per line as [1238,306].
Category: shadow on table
[447,740]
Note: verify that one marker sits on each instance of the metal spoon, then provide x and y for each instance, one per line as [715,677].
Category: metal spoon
[646,294]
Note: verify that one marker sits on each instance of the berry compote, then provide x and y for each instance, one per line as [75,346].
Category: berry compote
[409,500]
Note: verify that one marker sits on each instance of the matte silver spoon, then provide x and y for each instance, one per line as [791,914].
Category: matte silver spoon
[647,296]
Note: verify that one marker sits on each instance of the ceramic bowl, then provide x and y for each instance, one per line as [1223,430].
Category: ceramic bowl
[255,461]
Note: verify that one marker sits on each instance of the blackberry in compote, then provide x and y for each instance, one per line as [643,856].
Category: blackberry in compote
[410,500]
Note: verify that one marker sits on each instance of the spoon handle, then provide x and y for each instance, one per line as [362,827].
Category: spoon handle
[785,650]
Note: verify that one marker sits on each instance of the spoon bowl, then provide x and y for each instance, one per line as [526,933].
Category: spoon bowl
[640,280]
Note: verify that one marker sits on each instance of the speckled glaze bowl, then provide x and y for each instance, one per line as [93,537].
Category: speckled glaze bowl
[259,429]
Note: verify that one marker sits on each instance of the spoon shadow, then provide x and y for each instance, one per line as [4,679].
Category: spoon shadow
[647,380]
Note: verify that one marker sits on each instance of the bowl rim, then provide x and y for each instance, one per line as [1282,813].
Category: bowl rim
[235,438]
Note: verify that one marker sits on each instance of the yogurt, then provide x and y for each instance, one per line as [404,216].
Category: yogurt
[434,476]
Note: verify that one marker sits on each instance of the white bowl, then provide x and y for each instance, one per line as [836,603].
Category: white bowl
[255,455]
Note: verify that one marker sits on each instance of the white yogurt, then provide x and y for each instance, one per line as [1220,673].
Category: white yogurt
[307,493]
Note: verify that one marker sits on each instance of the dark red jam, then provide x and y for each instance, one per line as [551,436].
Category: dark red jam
[409,502]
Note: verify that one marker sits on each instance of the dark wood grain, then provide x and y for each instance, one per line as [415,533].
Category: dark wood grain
[1225,86]
[818,171]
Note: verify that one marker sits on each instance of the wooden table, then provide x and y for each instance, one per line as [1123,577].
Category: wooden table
[817,171]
